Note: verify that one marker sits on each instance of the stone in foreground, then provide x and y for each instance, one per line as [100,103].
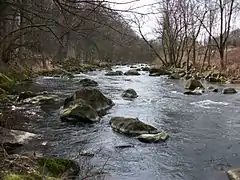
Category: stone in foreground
[129,93]
[229,91]
[153,138]
[192,84]
[131,126]
[234,174]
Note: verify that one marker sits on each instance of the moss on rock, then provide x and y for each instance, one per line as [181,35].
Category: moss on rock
[44,168]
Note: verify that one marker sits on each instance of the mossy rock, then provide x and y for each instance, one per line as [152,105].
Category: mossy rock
[42,168]
[22,176]
[56,167]
[131,126]
[79,113]
[95,98]
[2,91]
[6,82]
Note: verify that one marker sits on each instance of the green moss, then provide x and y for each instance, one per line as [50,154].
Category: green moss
[55,167]
[47,168]
[21,176]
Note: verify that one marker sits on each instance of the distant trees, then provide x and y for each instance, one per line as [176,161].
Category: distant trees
[60,29]
[190,31]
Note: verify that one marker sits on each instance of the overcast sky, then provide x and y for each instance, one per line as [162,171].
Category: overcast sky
[141,6]
[145,6]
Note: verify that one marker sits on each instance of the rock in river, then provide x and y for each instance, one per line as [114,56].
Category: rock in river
[37,98]
[85,105]
[192,84]
[80,112]
[131,126]
[229,91]
[158,71]
[132,72]
[88,82]
[129,93]
[114,73]
[153,138]
[234,174]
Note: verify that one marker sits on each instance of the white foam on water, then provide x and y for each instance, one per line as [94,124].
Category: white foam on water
[176,92]
[206,103]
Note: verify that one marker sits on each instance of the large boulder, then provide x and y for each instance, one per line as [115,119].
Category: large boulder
[192,84]
[234,174]
[153,138]
[229,91]
[131,126]
[85,106]
[94,98]
[154,71]
[129,93]
[79,113]
[114,73]
[88,82]
[132,72]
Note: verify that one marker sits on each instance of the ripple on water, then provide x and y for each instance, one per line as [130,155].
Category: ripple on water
[207,104]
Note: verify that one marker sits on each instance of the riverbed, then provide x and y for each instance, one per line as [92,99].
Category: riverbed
[204,130]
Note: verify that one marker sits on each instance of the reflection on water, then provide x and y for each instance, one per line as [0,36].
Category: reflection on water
[204,130]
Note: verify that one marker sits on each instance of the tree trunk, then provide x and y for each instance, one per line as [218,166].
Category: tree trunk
[221,52]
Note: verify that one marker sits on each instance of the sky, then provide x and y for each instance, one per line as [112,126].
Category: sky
[145,6]
[141,6]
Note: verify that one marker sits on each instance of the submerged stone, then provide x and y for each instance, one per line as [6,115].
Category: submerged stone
[129,93]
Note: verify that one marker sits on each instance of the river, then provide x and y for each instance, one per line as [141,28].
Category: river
[204,130]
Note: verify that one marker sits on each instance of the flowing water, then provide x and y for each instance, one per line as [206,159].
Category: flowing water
[204,130]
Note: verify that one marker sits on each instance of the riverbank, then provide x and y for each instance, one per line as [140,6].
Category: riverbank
[112,84]
[23,164]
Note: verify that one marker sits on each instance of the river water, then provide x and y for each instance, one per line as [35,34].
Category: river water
[204,130]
